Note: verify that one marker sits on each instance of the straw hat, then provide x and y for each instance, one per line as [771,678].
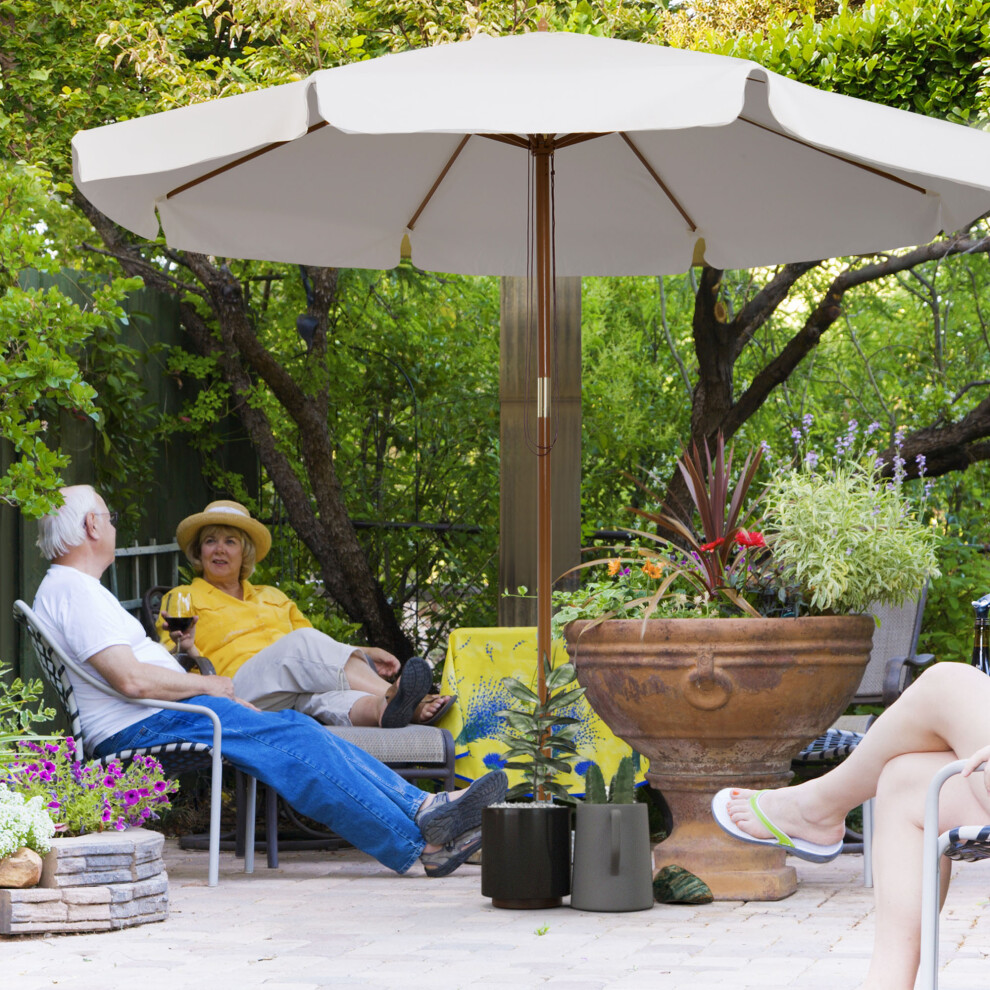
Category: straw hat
[224,513]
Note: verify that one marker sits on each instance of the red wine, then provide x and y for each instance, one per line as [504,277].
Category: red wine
[178,623]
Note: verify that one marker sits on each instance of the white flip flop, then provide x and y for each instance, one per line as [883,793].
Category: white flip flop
[813,852]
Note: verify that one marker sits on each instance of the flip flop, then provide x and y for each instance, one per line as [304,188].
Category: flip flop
[439,713]
[813,852]
[412,686]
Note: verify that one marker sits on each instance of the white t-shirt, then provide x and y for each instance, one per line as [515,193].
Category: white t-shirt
[83,618]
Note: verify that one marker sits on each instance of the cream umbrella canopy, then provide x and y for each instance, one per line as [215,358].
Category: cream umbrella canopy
[537,155]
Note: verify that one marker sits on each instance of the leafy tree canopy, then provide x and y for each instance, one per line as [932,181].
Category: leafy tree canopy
[356,421]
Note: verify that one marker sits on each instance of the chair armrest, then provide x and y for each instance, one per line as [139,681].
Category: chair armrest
[900,672]
[202,664]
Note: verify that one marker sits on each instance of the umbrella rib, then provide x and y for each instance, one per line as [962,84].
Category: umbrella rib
[832,154]
[570,139]
[440,178]
[238,161]
[656,178]
[513,139]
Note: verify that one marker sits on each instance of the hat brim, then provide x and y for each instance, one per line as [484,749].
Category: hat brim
[187,530]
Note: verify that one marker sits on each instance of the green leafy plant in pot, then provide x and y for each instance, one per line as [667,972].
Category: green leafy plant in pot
[527,846]
[732,606]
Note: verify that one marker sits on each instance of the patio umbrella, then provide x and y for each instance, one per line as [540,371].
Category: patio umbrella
[542,154]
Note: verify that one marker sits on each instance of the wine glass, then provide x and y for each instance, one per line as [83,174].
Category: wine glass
[179,620]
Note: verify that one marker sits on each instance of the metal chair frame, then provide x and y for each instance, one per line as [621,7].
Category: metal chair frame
[175,757]
[432,749]
[967,842]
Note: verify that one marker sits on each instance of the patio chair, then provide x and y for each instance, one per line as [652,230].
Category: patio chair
[414,752]
[175,757]
[967,842]
[893,664]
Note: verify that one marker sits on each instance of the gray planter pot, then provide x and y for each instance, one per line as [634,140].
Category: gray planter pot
[613,864]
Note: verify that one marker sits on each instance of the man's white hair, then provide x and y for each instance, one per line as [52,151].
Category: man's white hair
[65,528]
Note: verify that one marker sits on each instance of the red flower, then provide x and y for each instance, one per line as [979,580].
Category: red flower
[752,539]
[707,547]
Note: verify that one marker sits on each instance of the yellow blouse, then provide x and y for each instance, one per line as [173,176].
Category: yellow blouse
[229,631]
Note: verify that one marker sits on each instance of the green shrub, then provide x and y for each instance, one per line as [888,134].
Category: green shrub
[948,627]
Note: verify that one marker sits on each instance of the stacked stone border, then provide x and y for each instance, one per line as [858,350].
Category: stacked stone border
[97,882]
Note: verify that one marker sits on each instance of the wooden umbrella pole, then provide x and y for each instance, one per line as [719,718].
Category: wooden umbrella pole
[541,149]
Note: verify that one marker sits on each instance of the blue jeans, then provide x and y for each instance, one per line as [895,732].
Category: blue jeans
[321,776]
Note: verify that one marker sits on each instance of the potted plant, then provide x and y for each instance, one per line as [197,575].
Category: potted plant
[26,827]
[613,867]
[26,831]
[718,646]
[526,861]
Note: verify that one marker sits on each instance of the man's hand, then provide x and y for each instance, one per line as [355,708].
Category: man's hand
[223,687]
[216,686]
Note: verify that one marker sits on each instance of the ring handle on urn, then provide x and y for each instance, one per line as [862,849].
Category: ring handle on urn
[705,687]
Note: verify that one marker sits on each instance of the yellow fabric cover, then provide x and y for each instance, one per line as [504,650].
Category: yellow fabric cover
[476,662]
[229,631]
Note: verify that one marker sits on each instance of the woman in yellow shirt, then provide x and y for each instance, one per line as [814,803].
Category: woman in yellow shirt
[257,636]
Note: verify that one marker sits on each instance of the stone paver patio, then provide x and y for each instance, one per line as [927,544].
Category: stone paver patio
[340,920]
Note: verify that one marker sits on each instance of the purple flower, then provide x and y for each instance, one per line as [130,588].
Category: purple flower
[130,798]
[806,420]
[811,459]
[921,460]
[160,785]
[872,428]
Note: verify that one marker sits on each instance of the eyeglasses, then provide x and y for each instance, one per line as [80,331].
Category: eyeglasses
[113,516]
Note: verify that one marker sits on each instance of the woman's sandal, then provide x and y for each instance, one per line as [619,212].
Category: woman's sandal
[405,695]
[448,703]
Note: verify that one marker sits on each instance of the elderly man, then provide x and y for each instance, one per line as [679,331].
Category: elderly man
[320,775]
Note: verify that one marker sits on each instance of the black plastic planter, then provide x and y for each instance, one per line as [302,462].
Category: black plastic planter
[526,856]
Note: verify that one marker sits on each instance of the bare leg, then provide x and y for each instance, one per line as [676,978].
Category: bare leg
[944,711]
[942,717]
[897,860]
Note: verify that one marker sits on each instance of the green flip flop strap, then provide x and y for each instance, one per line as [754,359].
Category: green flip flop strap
[781,837]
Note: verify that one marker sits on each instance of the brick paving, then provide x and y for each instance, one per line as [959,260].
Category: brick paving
[340,920]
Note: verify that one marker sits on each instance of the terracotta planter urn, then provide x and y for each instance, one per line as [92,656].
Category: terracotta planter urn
[719,702]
